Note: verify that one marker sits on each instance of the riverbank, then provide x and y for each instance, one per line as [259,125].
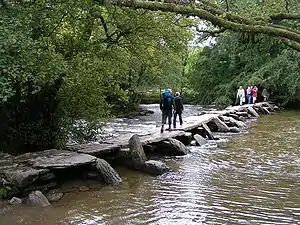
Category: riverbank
[47,170]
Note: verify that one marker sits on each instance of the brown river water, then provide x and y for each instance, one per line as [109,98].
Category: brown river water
[249,178]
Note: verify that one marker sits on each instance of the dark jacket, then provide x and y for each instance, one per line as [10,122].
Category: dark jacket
[178,104]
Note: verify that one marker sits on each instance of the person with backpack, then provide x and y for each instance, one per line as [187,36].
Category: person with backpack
[166,106]
[178,105]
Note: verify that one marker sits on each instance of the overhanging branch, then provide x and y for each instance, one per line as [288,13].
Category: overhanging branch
[291,44]
[208,11]
[212,33]
[285,16]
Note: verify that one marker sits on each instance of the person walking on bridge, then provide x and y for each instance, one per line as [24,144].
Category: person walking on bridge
[166,106]
[241,95]
[178,105]
[249,94]
[254,94]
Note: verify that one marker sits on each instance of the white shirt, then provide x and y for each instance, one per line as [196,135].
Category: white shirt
[241,92]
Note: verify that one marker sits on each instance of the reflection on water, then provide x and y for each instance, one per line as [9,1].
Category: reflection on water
[252,179]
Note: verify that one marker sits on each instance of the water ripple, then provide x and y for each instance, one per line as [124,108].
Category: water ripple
[251,179]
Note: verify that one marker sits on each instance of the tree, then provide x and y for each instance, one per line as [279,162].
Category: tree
[233,61]
[67,66]
[270,17]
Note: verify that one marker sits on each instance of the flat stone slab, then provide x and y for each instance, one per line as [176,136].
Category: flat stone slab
[115,144]
[98,150]
[193,122]
[55,159]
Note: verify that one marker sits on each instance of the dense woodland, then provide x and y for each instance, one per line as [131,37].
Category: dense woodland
[81,62]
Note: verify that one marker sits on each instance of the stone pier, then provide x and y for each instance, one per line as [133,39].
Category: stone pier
[23,174]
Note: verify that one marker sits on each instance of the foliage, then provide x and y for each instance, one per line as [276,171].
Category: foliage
[66,66]
[3,193]
[64,62]
[271,17]
[5,190]
[233,61]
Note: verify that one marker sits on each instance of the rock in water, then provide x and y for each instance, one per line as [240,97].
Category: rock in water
[252,112]
[233,122]
[136,152]
[193,143]
[83,188]
[173,147]
[263,110]
[208,132]
[185,139]
[109,175]
[269,106]
[54,195]
[266,110]
[36,198]
[222,127]
[242,113]
[234,129]
[234,116]
[15,201]
[200,140]
[155,167]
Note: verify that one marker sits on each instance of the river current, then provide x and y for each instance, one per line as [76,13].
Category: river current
[247,178]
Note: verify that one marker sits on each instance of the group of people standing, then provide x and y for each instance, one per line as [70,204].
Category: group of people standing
[249,97]
[170,105]
[173,106]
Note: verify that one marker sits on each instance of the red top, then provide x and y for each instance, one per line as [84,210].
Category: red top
[254,92]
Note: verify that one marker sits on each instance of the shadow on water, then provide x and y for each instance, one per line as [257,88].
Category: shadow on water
[250,178]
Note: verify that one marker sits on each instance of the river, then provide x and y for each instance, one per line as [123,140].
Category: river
[248,178]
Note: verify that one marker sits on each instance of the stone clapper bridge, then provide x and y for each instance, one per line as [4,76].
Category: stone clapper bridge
[46,170]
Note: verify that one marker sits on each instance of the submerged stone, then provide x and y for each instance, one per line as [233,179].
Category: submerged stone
[84,188]
[54,195]
[15,201]
[156,167]
[172,146]
[36,198]
[234,129]
[233,122]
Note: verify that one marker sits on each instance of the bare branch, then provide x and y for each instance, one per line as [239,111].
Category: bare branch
[227,5]
[287,5]
[58,24]
[104,26]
